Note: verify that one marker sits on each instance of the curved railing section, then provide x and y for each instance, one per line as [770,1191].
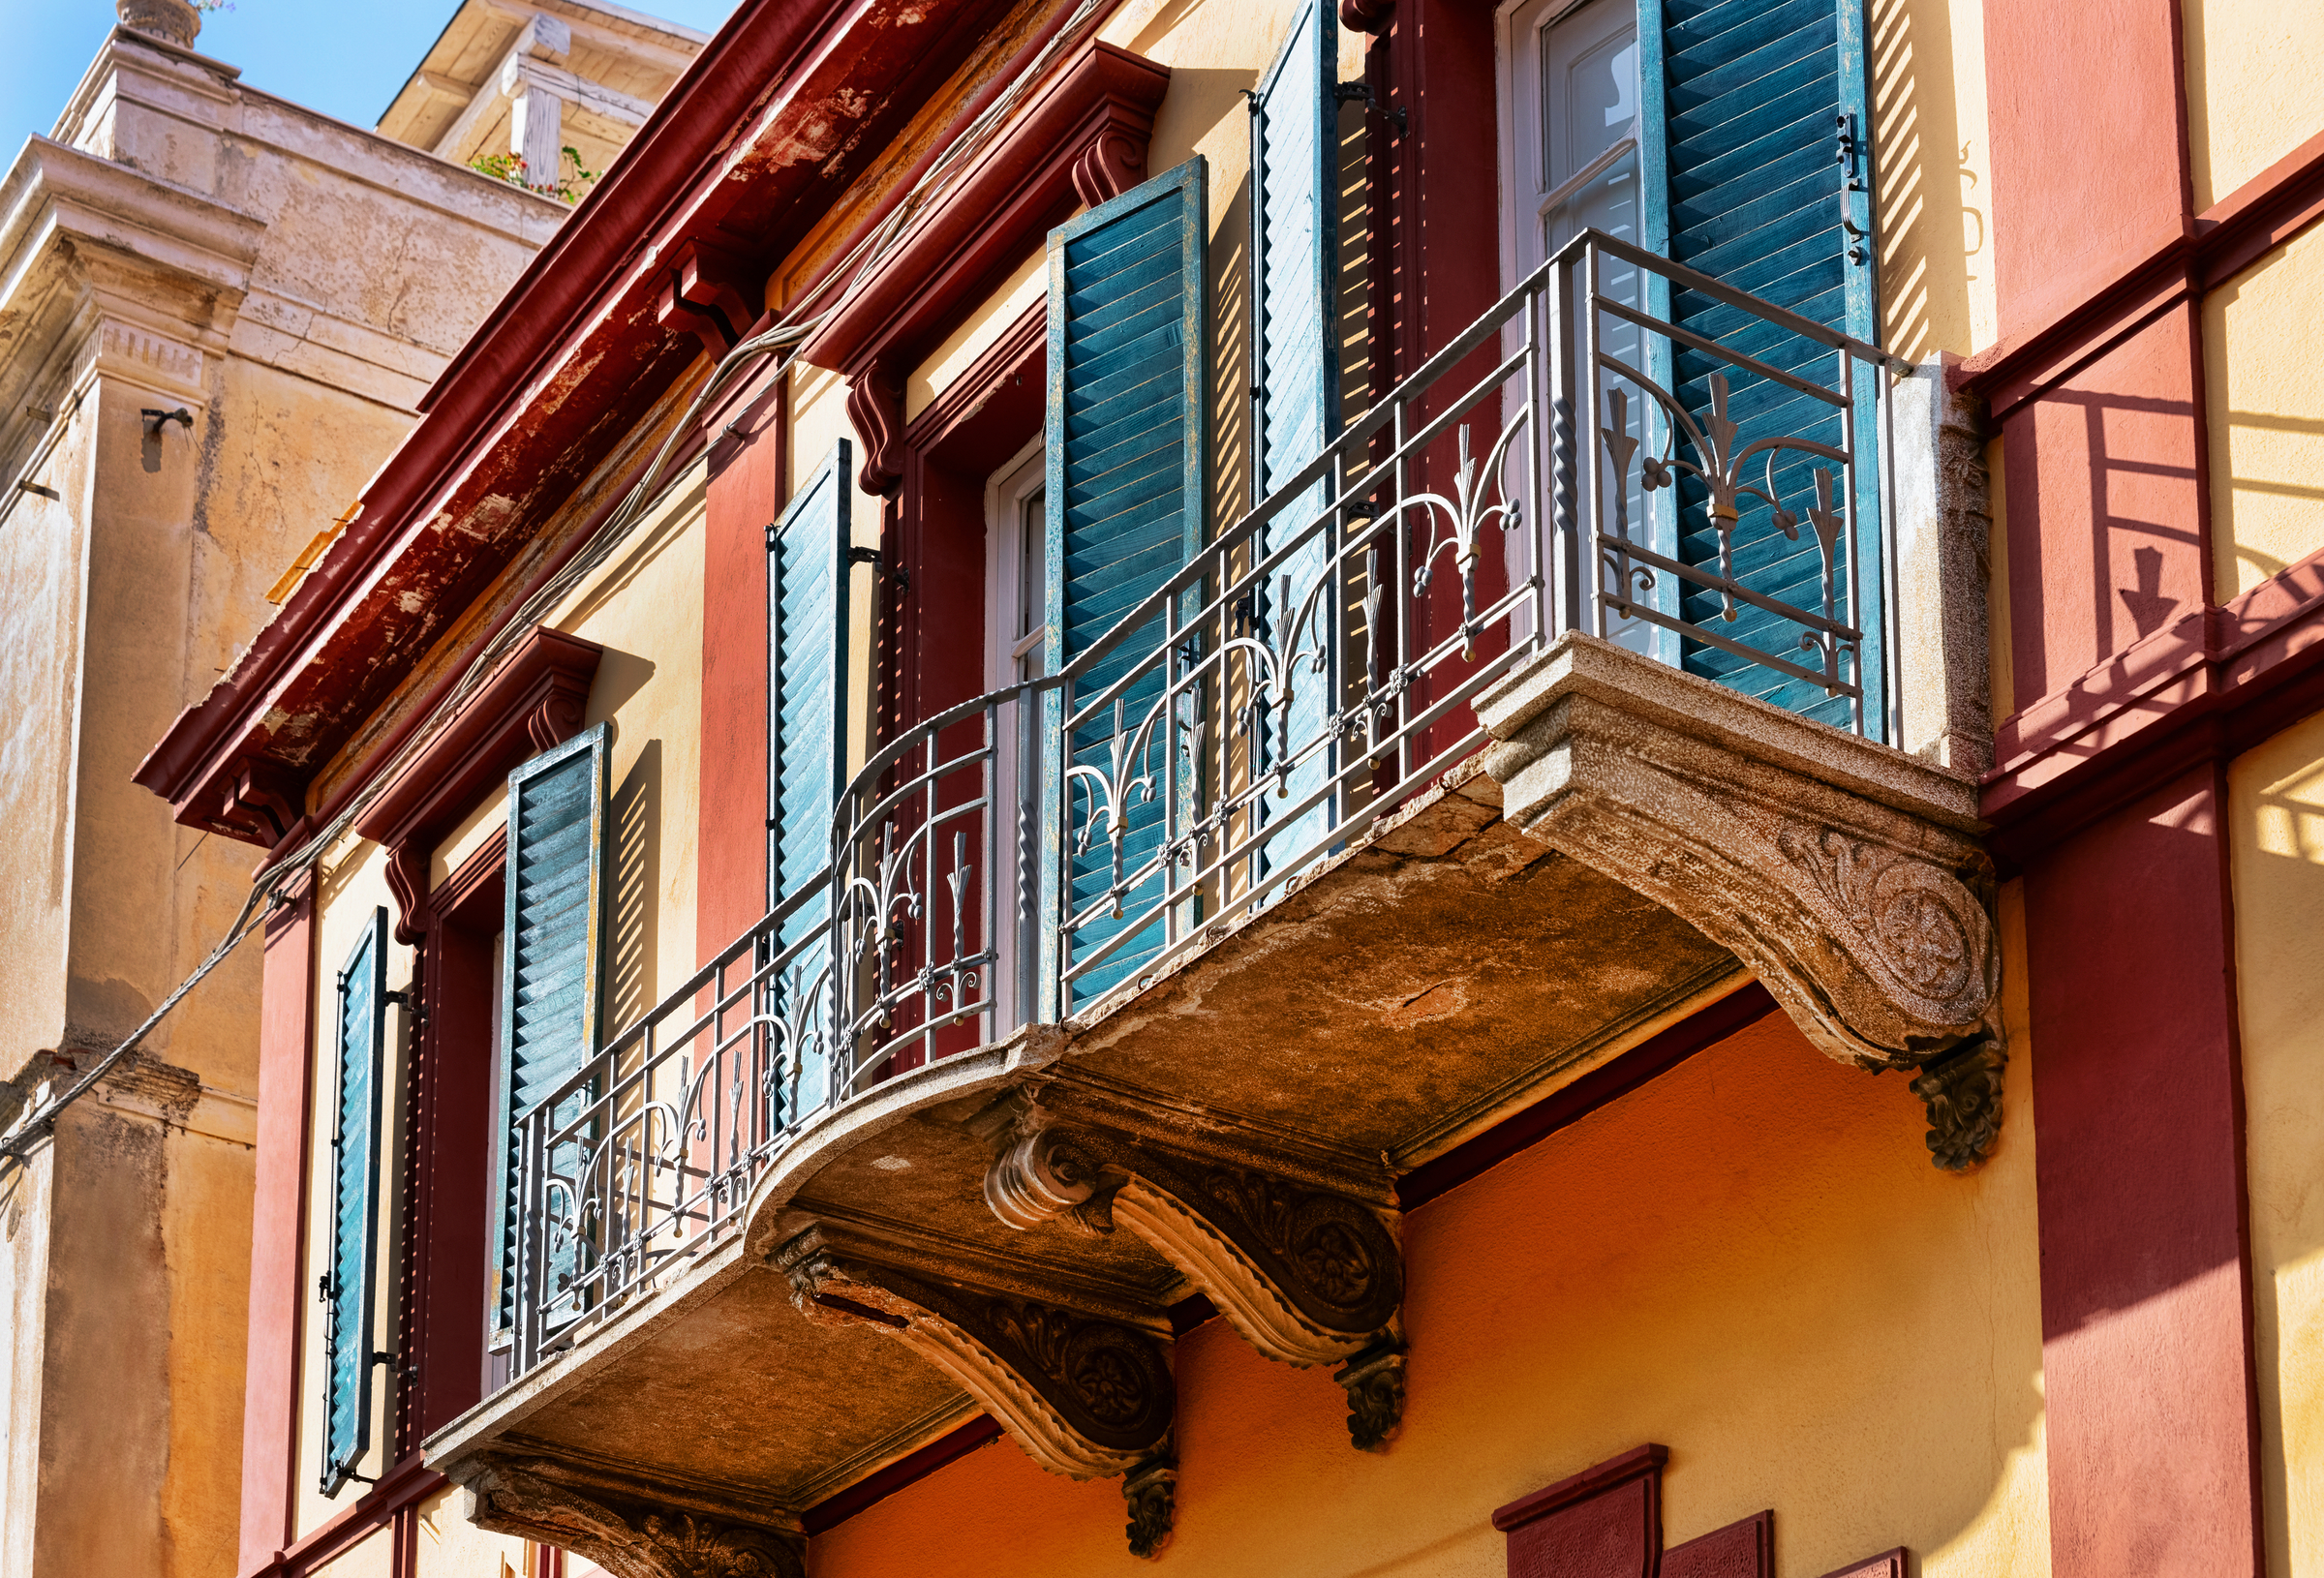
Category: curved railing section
[1019,857]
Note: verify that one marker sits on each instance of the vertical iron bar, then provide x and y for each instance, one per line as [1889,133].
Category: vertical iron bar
[1892,613]
[1587,439]
[1561,450]
[1854,522]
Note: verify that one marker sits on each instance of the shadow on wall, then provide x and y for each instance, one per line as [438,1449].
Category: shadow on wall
[2278,796]
[1230,264]
[2110,477]
[1931,204]
[634,827]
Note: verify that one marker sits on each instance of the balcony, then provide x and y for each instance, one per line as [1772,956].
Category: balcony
[1558,697]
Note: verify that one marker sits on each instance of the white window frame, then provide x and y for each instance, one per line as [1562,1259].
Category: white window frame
[1006,493]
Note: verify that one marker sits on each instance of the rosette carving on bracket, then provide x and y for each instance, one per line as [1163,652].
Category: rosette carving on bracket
[1847,877]
[628,1539]
[1307,1275]
[1085,1396]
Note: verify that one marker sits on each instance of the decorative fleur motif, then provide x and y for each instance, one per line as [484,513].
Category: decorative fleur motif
[1455,523]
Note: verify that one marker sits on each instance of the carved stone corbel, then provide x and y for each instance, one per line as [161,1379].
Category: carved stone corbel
[1152,1490]
[1113,162]
[629,1540]
[875,411]
[1308,1275]
[1085,1396]
[1844,875]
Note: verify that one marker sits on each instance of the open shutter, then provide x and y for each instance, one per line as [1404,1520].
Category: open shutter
[806,732]
[362,1016]
[551,964]
[806,679]
[1768,171]
[1126,443]
[1295,375]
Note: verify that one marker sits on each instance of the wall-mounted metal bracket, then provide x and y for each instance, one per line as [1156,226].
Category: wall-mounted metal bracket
[1361,92]
[900,575]
[156,420]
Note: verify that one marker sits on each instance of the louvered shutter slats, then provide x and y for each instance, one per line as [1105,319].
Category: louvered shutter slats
[1294,370]
[1124,440]
[1752,93]
[806,644]
[360,1012]
[552,972]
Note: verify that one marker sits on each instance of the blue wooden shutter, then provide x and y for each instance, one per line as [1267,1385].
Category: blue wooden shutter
[1295,369]
[1126,451]
[551,974]
[807,725]
[806,679]
[1763,101]
[361,1034]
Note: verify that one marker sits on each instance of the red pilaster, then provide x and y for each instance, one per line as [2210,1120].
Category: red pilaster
[269,1405]
[2146,1347]
[2146,1328]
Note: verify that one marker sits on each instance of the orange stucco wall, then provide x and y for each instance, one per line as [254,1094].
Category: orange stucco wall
[1750,1260]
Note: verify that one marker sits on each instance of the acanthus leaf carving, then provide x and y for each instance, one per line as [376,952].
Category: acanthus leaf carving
[1842,874]
[1086,1397]
[1962,1094]
[1374,1381]
[627,1538]
[1308,1275]
[1151,1491]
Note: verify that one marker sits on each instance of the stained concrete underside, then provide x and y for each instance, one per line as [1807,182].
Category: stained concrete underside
[1439,973]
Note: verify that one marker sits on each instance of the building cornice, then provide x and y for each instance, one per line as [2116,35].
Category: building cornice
[744,154]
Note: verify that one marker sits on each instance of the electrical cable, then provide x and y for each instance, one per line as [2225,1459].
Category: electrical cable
[784,336]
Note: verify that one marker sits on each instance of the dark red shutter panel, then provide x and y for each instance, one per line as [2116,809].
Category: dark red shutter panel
[1740,1550]
[1604,1522]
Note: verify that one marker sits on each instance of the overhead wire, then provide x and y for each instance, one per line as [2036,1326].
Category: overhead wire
[783,338]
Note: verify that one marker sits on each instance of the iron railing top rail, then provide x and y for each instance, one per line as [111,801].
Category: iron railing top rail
[1487,324]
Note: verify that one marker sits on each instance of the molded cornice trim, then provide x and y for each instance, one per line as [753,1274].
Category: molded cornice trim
[1087,127]
[534,701]
[746,152]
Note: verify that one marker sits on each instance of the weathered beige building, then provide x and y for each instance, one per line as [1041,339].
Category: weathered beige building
[218,313]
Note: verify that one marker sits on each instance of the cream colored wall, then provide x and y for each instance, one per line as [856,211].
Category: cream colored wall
[2240,115]
[644,607]
[353,887]
[42,566]
[2276,801]
[1750,1260]
[1933,175]
[2266,414]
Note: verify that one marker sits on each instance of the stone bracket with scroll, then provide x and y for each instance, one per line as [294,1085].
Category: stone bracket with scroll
[1308,1275]
[1848,877]
[1086,1394]
[626,1536]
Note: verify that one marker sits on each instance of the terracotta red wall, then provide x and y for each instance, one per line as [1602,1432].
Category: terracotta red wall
[744,498]
[2147,1349]
[270,1404]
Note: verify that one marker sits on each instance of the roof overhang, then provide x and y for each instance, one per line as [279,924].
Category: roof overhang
[767,129]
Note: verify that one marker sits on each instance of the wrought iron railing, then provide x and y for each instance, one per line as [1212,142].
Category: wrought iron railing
[1019,857]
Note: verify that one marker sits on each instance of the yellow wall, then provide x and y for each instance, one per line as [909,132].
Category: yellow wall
[1933,175]
[2241,112]
[2277,795]
[2265,402]
[1751,1260]
[644,607]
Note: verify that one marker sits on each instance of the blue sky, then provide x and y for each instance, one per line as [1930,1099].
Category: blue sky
[343,57]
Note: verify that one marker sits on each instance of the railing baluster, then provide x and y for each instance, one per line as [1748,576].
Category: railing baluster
[841,994]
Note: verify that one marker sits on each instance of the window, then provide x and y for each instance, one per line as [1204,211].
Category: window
[360,1015]
[550,989]
[1017,569]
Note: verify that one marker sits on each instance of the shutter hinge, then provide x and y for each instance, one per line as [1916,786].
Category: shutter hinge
[901,577]
[408,1002]
[322,1289]
[1849,157]
[1361,92]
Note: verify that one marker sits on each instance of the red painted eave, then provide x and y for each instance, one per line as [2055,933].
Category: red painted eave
[747,150]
